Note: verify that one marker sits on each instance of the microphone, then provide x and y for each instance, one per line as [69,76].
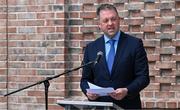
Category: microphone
[99,55]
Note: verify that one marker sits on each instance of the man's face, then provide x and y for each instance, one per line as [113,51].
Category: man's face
[109,22]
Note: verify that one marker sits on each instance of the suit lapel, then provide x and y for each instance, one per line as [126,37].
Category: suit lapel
[119,51]
[104,63]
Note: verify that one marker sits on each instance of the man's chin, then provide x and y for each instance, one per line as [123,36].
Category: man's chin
[111,35]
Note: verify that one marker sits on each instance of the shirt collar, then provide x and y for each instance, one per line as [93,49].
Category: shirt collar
[116,37]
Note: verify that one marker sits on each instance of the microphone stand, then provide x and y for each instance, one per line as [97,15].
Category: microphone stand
[47,84]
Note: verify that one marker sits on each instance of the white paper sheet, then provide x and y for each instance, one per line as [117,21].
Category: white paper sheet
[99,90]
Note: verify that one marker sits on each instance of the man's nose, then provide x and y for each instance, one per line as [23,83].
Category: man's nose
[109,22]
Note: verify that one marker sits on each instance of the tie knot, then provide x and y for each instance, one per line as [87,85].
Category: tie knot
[112,41]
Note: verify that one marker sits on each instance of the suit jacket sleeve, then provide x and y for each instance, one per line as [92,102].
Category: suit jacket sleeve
[86,73]
[141,71]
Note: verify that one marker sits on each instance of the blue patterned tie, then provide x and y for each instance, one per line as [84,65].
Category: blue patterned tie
[111,55]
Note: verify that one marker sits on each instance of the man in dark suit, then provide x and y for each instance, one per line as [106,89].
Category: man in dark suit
[124,65]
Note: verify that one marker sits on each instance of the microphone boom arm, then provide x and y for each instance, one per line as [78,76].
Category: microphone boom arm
[50,78]
[46,82]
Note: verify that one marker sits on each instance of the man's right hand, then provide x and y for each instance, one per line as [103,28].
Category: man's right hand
[92,96]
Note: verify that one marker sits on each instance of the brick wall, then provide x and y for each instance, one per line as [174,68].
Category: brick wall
[44,38]
[3,54]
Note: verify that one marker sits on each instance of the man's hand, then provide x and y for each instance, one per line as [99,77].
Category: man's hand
[92,96]
[119,93]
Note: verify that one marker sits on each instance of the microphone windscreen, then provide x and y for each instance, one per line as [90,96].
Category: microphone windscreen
[99,55]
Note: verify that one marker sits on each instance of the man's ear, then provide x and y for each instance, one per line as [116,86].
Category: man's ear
[99,27]
[98,24]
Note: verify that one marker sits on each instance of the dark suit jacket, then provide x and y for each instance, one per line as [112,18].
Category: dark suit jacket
[130,69]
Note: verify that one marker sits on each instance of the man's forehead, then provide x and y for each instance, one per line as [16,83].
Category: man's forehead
[104,13]
[107,10]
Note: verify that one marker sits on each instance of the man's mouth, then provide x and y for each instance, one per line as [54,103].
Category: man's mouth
[111,30]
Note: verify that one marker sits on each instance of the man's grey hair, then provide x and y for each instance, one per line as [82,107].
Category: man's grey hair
[105,7]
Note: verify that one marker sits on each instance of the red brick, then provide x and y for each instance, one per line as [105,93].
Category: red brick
[35,8]
[45,29]
[12,2]
[177,4]
[2,22]
[166,43]
[76,36]
[134,6]
[149,13]
[151,65]
[177,12]
[3,44]
[74,29]
[35,23]
[171,104]
[167,50]
[135,28]
[60,1]
[170,20]
[89,7]
[12,30]
[88,15]
[150,104]
[148,29]
[167,12]
[153,87]
[149,6]
[12,16]
[166,57]
[149,21]
[88,36]
[90,22]
[125,28]
[178,104]
[176,57]
[45,15]
[3,71]
[59,93]
[60,29]
[36,93]
[161,104]
[89,29]
[176,43]
[165,5]
[165,86]
[135,21]
[153,57]
[3,37]
[149,35]
[149,94]
[55,23]
[165,94]
[74,15]
[153,72]
[55,65]
[150,43]
[165,65]
[88,1]
[16,23]
[60,15]
[3,2]
[135,13]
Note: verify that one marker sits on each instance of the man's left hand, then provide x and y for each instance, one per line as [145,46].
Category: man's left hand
[119,93]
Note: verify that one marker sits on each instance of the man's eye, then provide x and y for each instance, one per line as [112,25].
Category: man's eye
[105,21]
[113,19]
